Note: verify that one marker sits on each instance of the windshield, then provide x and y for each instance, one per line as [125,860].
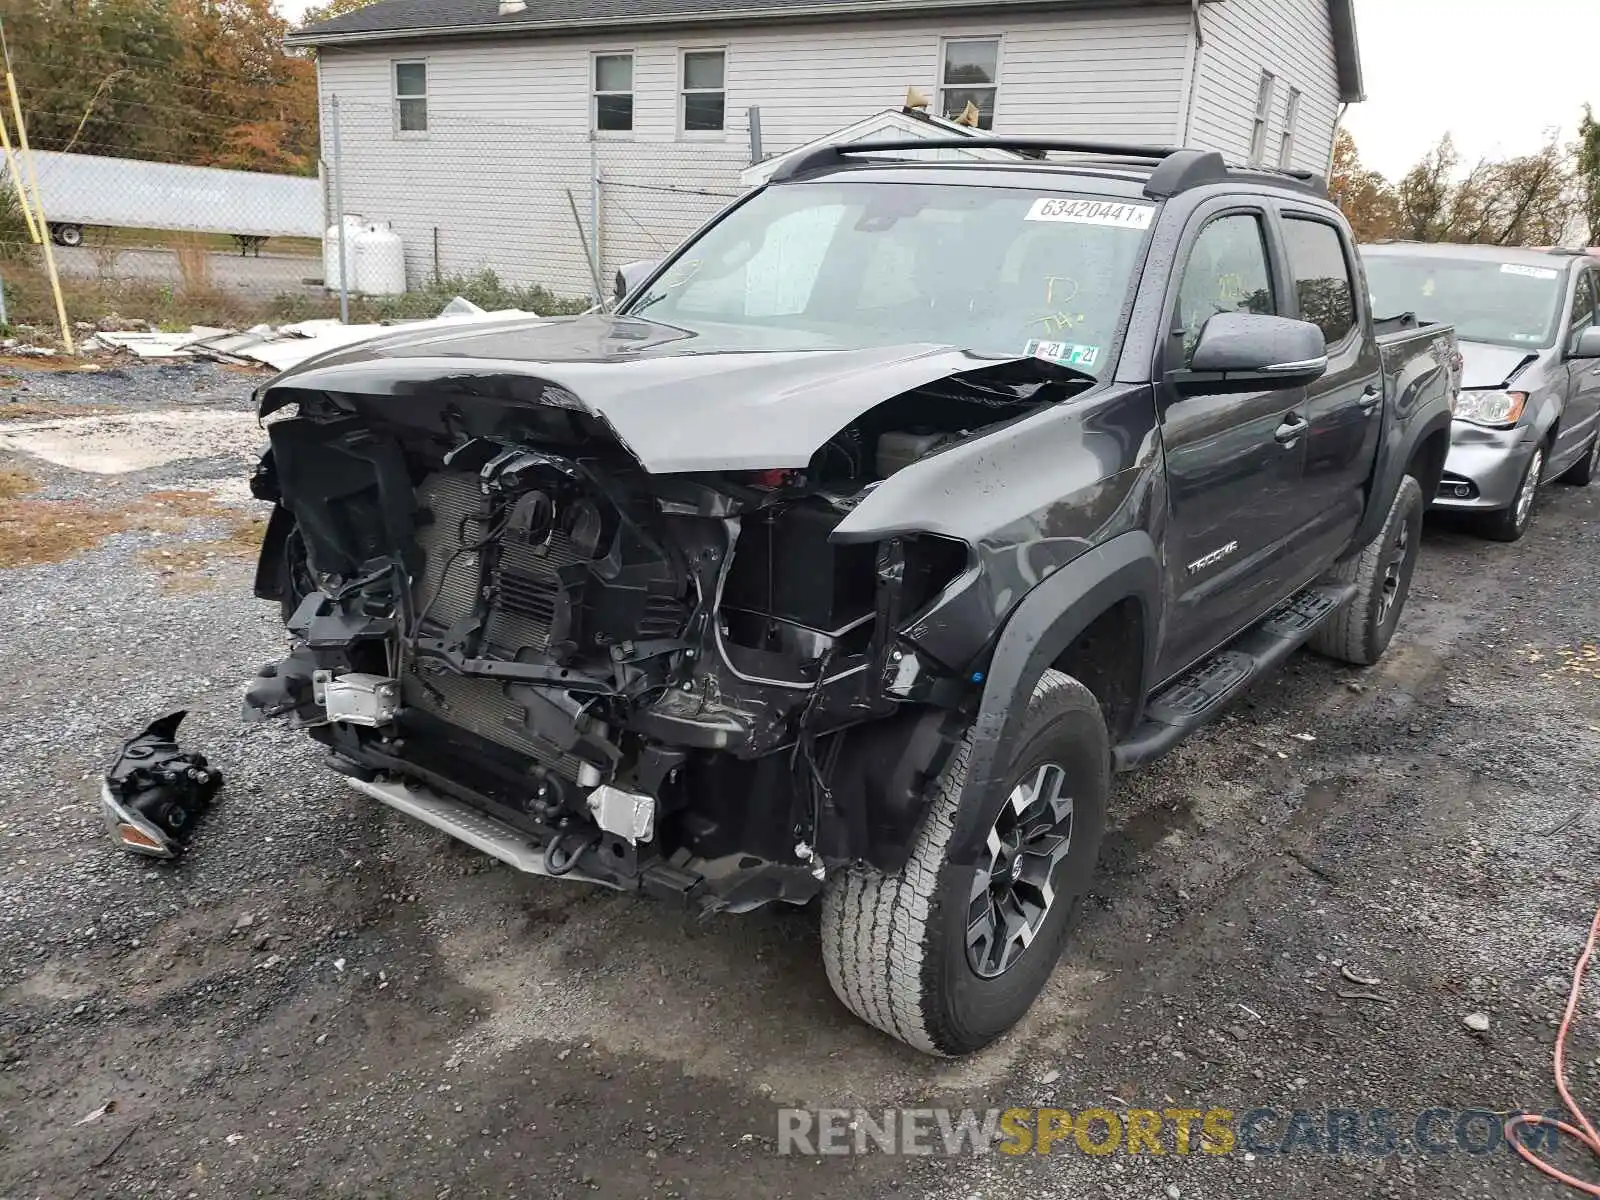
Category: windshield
[824,266]
[1504,304]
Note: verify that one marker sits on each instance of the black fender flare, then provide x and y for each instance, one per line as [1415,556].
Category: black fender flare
[270,572]
[1047,621]
[1398,450]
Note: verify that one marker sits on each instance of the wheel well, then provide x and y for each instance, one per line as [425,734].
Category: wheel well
[1427,462]
[1108,659]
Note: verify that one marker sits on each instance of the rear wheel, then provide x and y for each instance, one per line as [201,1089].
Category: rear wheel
[1359,633]
[67,235]
[1582,471]
[947,956]
[1510,523]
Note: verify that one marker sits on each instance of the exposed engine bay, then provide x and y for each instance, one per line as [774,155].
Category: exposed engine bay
[658,680]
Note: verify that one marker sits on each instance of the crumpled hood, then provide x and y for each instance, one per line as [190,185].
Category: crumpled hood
[1489,366]
[678,401]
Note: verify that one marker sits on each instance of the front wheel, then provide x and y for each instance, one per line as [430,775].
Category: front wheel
[948,955]
[1510,523]
[67,235]
[1359,633]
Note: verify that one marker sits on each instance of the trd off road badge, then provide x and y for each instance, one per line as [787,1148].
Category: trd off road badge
[1212,559]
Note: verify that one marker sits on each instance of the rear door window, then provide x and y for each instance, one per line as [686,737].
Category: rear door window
[1583,306]
[1322,280]
[1227,272]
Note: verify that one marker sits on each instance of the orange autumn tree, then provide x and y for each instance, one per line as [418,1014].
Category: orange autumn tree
[192,81]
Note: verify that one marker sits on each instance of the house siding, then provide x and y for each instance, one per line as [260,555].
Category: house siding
[1241,38]
[508,138]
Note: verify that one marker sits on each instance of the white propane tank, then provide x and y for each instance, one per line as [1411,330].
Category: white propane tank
[380,261]
[330,255]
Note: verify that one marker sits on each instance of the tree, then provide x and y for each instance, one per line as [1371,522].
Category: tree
[1425,194]
[191,81]
[1529,200]
[1587,167]
[1368,200]
[334,8]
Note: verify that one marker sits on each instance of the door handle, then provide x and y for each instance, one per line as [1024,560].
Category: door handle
[1371,397]
[1294,425]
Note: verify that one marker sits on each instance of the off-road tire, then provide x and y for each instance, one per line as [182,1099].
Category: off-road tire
[1359,632]
[895,946]
[1508,524]
[1581,472]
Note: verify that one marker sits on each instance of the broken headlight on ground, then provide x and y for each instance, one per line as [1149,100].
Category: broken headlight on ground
[155,791]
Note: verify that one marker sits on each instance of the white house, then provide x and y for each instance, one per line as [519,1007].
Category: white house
[517,134]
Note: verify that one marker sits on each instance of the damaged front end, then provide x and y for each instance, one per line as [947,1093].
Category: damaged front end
[677,681]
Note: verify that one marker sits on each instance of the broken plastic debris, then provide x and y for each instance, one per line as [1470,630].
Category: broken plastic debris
[110,1106]
[155,792]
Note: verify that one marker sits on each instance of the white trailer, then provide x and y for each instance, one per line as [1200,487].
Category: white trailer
[79,190]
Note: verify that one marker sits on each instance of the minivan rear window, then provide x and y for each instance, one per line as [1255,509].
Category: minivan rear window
[1503,304]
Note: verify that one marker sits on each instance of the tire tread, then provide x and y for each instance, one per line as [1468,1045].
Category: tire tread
[876,927]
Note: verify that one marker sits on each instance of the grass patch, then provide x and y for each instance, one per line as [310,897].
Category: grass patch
[191,566]
[177,308]
[27,410]
[14,484]
[34,531]
[46,531]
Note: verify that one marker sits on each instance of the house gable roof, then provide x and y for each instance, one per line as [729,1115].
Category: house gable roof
[395,19]
[412,20]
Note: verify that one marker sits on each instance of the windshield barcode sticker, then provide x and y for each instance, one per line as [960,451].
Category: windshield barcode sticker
[1092,212]
[1528,272]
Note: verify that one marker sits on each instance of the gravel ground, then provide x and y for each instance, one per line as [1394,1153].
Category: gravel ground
[324,999]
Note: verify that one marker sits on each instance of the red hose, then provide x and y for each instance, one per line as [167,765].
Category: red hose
[1584,1132]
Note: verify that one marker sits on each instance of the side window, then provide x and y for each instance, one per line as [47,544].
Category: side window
[1584,305]
[1321,274]
[1227,272]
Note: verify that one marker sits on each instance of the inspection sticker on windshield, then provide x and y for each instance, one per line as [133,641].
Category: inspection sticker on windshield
[1529,272]
[1066,353]
[1091,212]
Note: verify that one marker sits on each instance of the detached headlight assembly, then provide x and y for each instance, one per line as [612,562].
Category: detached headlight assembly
[1498,410]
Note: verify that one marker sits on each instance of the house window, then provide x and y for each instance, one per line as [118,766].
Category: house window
[613,93]
[1291,121]
[705,98]
[411,96]
[971,75]
[1258,135]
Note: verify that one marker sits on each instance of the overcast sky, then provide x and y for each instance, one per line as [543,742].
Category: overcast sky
[1496,74]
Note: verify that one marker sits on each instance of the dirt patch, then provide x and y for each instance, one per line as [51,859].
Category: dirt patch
[35,530]
[192,566]
[14,484]
[26,410]
[47,531]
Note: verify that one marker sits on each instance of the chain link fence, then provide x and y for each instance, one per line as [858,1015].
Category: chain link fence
[559,210]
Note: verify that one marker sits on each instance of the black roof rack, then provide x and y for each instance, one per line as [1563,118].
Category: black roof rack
[1174,169]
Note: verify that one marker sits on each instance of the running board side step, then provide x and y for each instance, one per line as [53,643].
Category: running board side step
[466,824]
[1199,695]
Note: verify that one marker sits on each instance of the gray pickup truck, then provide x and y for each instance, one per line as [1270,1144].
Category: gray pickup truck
[1529,410]
[857,548]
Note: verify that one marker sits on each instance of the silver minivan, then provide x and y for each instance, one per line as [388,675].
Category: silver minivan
[1529,407]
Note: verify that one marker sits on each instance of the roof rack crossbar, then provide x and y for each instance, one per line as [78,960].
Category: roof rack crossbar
[1176,168]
